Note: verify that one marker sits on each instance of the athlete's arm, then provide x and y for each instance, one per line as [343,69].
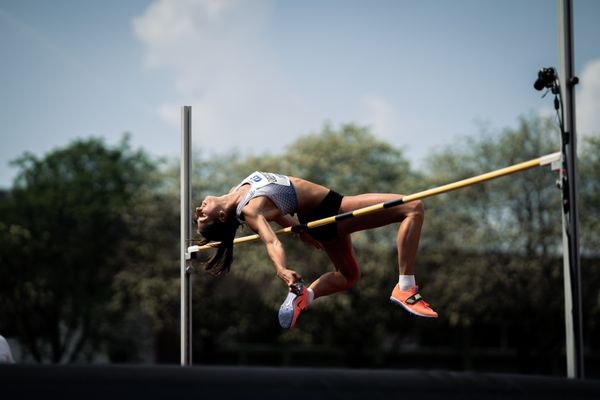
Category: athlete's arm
[257,221]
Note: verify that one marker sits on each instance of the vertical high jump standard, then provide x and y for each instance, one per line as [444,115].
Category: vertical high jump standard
[568,182]
[186,235]
[571,268]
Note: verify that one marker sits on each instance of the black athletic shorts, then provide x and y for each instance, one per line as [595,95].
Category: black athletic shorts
[329,207]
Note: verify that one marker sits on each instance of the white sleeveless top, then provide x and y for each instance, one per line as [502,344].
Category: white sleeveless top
[278,188]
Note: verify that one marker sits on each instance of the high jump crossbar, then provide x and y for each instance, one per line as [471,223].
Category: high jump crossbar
[536,162]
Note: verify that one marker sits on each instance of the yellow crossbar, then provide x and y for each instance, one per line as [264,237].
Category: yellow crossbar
[537,162]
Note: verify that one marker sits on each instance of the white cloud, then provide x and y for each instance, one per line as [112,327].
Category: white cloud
[188,34]
[223,67]
[588,99]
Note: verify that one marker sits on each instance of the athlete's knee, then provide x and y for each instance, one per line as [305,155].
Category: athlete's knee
[417,209]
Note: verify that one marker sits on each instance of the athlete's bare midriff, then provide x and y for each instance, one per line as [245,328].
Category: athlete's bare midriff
[309,194]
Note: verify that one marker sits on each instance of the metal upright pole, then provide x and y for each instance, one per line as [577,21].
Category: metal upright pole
[571,258]
[186,235]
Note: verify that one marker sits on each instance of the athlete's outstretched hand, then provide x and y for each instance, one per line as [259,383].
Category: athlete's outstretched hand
[289,277]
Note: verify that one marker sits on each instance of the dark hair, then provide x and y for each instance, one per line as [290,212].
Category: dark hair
[223,232]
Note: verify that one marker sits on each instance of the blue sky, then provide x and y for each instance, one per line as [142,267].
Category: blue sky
[261,73]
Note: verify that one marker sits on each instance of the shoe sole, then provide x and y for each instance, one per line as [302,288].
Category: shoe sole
[401,304]
[285,319]
[293,306]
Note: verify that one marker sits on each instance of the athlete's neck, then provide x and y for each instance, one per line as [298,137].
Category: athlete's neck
[231,200]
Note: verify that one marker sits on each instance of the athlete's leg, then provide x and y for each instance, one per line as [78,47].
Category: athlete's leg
[347,272]
[409,215]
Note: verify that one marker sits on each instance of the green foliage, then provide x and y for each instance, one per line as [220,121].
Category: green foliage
[506,235]
[90,256]
[589,221]
[589,190]
[64,232]
[515,213]
[479,243]
[495,248]
[351,159]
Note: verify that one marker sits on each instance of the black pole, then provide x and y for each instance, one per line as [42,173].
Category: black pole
[572,270]
[186,236]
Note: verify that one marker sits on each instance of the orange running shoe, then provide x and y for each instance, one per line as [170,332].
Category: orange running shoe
[292,306]
[412,301]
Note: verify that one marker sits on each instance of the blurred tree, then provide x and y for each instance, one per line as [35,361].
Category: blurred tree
[497,246]
[64,232]
[589,220]
[589,190]
[498,240]
[90,256]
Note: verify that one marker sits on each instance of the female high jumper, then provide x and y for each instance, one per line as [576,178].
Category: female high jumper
[263,197]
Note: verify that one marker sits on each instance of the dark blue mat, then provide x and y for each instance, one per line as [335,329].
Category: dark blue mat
[111,382]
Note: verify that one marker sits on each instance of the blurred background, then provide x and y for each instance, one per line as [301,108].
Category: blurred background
[392,96]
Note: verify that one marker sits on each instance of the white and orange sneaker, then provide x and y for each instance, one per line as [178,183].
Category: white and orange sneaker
[295,302]
[412,301]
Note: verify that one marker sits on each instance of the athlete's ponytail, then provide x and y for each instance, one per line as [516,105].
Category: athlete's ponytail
[223,232]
